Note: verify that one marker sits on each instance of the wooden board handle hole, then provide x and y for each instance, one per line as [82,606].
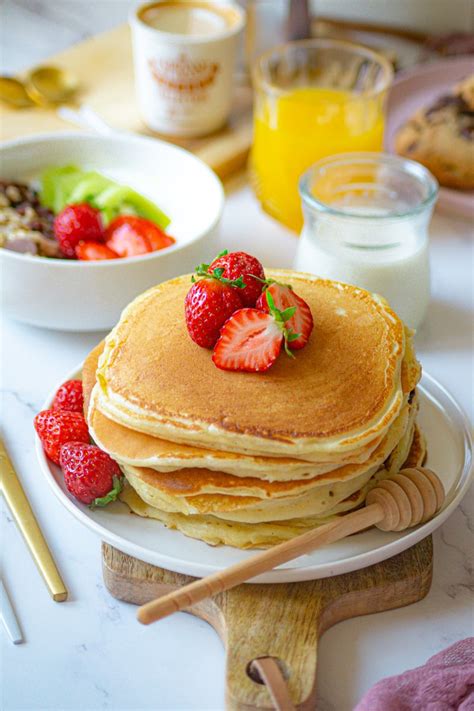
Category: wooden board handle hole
[253,671]
[273,673]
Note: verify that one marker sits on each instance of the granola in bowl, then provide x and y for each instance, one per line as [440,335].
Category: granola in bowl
[26,226]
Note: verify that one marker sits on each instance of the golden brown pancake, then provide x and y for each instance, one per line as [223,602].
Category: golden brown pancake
[216,531]
[253,500]
[342,390]
[251,459]
[88,374]
[417,454]
[139,449]
[188,482]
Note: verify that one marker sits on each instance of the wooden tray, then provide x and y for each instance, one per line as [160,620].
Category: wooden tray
[104,67]
[283,621]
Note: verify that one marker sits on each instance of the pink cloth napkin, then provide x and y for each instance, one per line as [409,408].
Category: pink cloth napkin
[444,683]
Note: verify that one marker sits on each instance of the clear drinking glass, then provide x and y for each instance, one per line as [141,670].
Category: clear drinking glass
[313,98]
[366,218]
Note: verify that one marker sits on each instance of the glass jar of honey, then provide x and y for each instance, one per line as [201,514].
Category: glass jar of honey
[313,98]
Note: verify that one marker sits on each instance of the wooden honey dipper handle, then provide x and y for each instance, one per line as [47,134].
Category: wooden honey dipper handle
[411,497]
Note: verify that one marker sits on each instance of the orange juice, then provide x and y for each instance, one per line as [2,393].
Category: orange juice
[294,130]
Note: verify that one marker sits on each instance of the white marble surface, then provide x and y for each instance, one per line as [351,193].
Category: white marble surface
[90,653]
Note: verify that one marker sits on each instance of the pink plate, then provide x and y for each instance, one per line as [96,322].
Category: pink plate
[417,87]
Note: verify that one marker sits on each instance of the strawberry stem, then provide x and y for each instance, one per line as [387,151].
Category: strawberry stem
[202,270]
[269,282]
[281,317]
[111,496]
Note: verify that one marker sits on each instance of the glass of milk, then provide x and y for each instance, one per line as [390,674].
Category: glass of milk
[366,219]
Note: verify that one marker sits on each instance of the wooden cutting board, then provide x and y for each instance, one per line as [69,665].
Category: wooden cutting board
[280,620]
[103,65]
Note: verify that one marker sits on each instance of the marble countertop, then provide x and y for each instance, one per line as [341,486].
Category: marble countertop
[90,653]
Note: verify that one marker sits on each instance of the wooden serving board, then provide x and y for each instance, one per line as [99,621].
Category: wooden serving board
[103,65]
[284,620]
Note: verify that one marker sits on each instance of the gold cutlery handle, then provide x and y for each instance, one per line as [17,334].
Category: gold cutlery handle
[20,507]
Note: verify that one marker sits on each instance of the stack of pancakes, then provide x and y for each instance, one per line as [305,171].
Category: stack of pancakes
[251,459]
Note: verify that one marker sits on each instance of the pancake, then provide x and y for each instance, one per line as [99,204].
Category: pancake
[194,482]
[253,459]
[141,450]
[215,531]
[250,509]
[417,454]
[88,375]
[341,393]
[251,500]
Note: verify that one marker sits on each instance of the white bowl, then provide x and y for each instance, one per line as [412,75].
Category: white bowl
[89,296]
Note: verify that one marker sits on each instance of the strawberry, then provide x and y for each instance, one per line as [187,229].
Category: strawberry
[251,340]
[69,397]
[90,475]
[235,265]
[300,323]
[129,235]
[126,242]
[156,237]
[94,250]
[207,306]
[56,427]
[77,223]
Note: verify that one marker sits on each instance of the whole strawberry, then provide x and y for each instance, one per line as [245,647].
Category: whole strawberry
[90,475]
[69,397]
[235,265]
[77,223]
[207,306]
[57,427]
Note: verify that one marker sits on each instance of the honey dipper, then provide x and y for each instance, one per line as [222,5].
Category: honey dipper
[410,497]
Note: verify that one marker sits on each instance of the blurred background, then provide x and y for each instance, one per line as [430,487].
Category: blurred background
[33,29]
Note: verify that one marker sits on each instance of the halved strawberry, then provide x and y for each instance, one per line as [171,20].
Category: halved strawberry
[129,235]
[124,240]
[250,340]
[92,251]
[300,323]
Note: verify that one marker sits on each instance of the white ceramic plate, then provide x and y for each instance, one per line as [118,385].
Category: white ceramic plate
[449,454]
[417,87]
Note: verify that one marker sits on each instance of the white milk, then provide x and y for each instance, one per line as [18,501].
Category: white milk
[387,256]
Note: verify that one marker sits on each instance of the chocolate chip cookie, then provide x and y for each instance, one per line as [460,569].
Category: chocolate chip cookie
[441,137]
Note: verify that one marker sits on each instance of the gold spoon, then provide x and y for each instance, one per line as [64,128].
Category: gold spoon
[51,85]
[47,85]
[14,93]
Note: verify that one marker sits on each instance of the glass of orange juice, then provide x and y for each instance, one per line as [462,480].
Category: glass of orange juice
[313,98]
